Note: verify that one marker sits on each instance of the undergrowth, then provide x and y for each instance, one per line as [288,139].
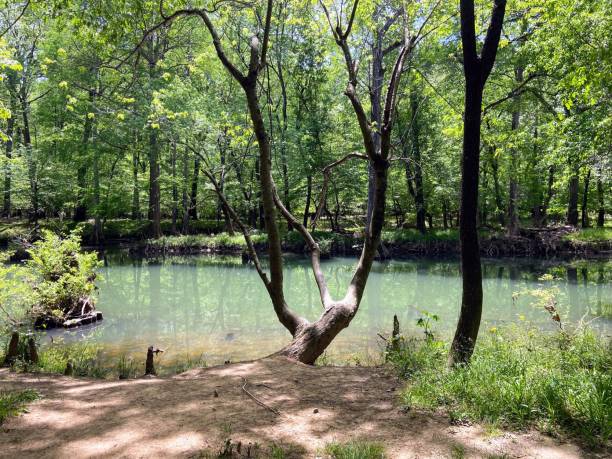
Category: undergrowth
[355,449]
[518,377]
[13,403]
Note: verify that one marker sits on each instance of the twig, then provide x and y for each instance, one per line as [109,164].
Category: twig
[259,402]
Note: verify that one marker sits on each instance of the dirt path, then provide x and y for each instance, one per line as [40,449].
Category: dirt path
[194,413]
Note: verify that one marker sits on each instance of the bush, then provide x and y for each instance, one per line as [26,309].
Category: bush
[517,377]
[64,277]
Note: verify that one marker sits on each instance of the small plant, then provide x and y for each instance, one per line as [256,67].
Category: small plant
[127,368]
[13,403]
[355,449]
[425,323]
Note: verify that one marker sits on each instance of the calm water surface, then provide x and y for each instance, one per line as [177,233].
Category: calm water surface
[216,308]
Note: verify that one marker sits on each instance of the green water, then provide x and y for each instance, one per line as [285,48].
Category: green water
[216,308]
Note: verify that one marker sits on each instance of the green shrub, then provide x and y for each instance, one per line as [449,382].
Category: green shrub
[64,277]
[13,403]
[517,377]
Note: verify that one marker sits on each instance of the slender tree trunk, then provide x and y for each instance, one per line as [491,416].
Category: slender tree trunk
[80,210]
[154,188]
[585,201]
[601,211]
[174,189]
[308,197]
[135,187]
[476,69]
[185,196]
[513,220]
[32,166]
[98,235]
[10,132]
[572,206]
[419,196]
[193,198]
[499,204]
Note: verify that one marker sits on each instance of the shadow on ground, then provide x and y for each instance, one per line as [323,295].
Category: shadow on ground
[295,407]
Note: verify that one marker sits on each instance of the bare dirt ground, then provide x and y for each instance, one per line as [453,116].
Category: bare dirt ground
[297,407]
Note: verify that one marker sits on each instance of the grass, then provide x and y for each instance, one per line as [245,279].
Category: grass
[591,235]
[13,403]
[355,449]
[216,241]
[517,378]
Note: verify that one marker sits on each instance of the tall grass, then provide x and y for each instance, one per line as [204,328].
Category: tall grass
[517,378]
[355,449]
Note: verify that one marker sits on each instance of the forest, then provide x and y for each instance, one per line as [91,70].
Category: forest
[410,197]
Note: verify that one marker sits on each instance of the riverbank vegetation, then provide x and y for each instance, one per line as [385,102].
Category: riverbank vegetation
[518,377]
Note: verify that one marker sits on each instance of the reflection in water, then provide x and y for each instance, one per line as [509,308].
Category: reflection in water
[216,306]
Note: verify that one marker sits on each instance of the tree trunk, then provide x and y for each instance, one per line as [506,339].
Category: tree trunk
[601,211]
[499,204]
[476,69]
[513,220]
[80,210]
[97,234]
[174,189]
[32,166]
[308,197]
[419,197]
[585,201]
[154,189]
[572,206]
[10,132]
[193,198]
[185,196]
[135,188]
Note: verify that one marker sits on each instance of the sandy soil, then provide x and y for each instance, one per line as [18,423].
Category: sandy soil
[193,415]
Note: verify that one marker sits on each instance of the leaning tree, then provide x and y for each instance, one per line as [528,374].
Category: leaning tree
[310,339]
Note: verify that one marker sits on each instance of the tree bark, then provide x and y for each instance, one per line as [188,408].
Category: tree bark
[419,196]
[601,211]
[308,197]
[193,197]
[513,219]
[8,151]
[154,214]
[135,188]
[572,205]
[585,201]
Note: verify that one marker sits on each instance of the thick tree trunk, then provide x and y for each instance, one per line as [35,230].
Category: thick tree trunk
[585,201]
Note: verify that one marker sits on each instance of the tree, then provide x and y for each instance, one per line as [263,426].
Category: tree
[477,68]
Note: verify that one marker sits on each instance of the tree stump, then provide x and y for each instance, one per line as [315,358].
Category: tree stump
[395,335]
[150,366]
[32,352]
[13,349]
[69,371]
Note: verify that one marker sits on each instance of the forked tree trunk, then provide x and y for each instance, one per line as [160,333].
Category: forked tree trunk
[476,69]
